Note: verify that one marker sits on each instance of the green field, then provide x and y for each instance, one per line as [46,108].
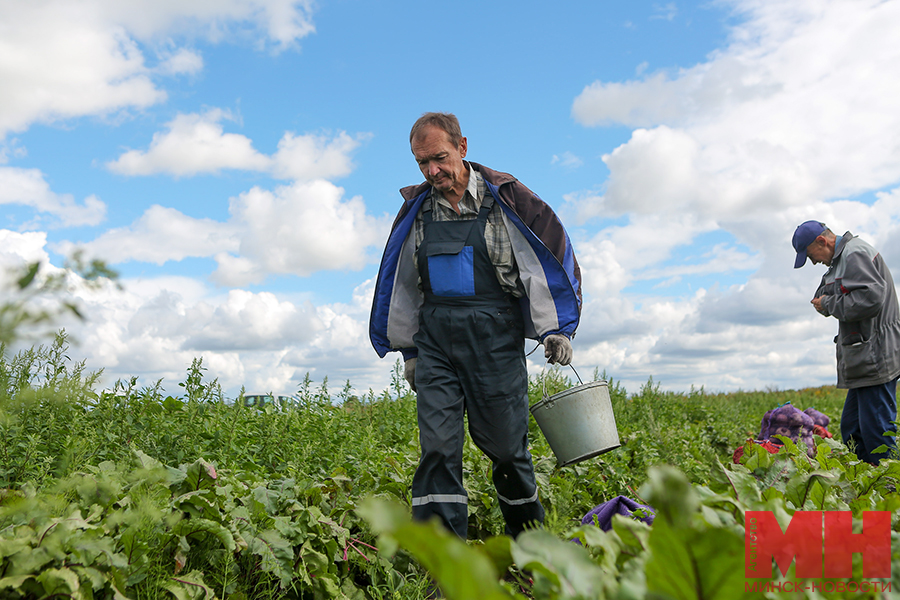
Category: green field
[139,495]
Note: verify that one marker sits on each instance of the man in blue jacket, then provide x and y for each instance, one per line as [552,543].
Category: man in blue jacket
[475,263]
[858,290]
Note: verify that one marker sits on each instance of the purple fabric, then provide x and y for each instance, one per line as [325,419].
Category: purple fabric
[791,422]
[620,505]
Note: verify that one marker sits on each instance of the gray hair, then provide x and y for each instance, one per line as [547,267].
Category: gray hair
[445,121]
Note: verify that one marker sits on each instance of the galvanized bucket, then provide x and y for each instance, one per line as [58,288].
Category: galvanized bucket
[578,423]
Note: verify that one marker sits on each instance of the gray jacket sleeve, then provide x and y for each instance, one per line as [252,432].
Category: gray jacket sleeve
[860,294]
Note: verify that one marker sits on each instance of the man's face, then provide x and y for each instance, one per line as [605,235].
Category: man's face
[820,252]
[440,161]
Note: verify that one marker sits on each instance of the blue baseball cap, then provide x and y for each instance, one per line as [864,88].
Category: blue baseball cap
[805,235]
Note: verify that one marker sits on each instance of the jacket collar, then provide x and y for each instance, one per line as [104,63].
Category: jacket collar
[841,243]
[496,178]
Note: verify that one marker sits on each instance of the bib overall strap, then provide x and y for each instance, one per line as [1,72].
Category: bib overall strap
[486,205]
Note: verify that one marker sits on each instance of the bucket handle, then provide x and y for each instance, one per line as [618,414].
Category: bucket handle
[544,379]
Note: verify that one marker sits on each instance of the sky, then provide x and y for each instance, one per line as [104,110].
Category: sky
[238,163]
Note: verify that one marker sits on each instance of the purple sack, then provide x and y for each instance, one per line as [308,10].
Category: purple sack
[620,505]
[791,422]
[820,419]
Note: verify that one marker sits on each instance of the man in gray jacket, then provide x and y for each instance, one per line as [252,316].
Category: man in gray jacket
[858,290]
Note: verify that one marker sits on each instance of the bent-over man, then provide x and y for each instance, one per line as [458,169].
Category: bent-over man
[858,290]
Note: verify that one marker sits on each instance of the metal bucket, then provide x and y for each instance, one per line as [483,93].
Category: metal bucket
[578,423]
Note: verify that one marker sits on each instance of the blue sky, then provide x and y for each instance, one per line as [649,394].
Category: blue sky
[238,163]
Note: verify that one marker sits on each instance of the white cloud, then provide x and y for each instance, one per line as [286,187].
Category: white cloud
[161,234]
[192,144]
[721,339]
[806,87]
[567,160]
[666,12]
[11,148]
[19,248]
[243,321]
[615,257]
[788,122]
[156,327]
[297,229]
[720,259]
[181,62]
[28,187]
[61,59]
[281,21]
[795,113]
[305,157]
[197,143]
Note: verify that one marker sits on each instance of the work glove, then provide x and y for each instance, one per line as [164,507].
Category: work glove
[409,372]
[558,349]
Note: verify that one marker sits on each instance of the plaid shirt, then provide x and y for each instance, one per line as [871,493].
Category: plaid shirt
[496,237]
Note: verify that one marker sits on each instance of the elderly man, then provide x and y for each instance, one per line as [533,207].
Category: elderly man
[858,290]
[475,263]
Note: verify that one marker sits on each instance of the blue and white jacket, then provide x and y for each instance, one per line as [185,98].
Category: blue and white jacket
[542,249]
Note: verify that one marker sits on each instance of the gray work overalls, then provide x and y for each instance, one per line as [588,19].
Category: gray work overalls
[470,359]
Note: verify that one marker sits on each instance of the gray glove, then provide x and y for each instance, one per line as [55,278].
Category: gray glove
[558,349]
[409,372]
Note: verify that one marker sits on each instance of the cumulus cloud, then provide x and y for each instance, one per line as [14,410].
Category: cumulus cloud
[805,87]
[299,229]
[161,234]
[617,256]
[25,247]
[306,157]
[61,59]
[790,121]
[721,339]
[770,130]
[341,348]
[282,22]
[262,341]
[155,327]
[197,143]
[720,259]
[193,143]
[28,187]
[242,321]
[289,231]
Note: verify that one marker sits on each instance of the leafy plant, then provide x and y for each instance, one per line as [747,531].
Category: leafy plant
[131,493]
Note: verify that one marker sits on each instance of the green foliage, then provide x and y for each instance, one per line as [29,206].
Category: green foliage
[134,529]
[271,503]
[461,570]
[689,557]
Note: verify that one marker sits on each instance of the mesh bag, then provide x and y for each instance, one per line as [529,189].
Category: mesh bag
[820,422]
[791,422]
